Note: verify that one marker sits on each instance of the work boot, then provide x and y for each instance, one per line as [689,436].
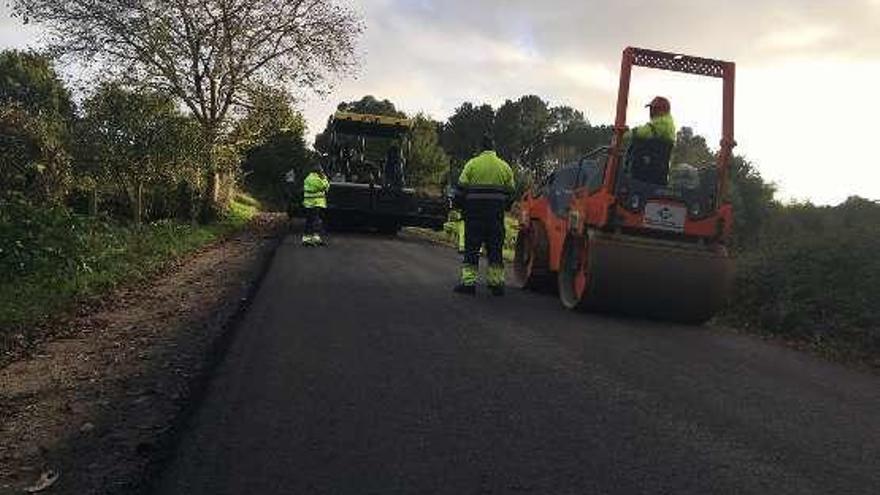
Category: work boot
[470,290]
[496,290]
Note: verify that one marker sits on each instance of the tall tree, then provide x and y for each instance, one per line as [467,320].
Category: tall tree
[569,136]
[521,129]
[271,138]
[752,198]
[463,132]
[34,162]
[266,165]
[207,53]
[31,81]
[134,139]
[692,149]
[35,116]
[427,161]
[270,112]
[564,119]
[371,105]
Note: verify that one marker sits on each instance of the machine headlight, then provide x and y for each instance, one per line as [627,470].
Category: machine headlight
[695,209]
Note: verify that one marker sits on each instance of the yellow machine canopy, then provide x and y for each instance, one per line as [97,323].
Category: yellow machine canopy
[370,125]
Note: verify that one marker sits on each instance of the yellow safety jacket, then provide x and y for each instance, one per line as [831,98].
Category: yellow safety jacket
[315,191]
[486,170]
[662,127]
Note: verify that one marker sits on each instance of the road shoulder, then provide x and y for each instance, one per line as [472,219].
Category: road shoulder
[101,406]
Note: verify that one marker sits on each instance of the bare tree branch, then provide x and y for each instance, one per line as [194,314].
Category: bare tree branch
[204,52]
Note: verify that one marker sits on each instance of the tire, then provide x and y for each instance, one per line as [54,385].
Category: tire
[389,228]
[531,258]
[573,276]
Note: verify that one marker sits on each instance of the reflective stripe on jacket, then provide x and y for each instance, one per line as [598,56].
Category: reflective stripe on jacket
[487,193]
[487,178]
[315,191]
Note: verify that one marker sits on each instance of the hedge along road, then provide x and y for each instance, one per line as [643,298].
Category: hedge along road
[357,371]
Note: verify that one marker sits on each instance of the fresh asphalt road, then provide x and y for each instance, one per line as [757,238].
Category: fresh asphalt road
[357,370]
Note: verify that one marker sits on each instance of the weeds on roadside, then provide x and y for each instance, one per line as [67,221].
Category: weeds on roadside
[50,258]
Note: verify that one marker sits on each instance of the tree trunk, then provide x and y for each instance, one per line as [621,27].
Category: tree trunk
[139,205]
[210,207]
[93,202]
[194,201]
[216,182]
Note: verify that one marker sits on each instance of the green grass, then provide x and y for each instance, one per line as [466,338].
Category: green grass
[103,255]
[245,202]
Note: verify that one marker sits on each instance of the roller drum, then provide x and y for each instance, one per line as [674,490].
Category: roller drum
[678,281]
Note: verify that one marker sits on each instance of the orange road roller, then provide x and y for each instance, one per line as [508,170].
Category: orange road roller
[622,231]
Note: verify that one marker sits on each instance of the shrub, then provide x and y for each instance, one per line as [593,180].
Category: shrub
[814,274]
[50,258]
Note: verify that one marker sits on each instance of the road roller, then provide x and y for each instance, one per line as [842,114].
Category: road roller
[611,237]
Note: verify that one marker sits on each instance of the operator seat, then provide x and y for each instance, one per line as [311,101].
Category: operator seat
[647,160]
[393,173]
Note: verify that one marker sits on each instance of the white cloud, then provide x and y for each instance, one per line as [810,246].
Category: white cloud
[800,37]
[811,125]
[472,52]
[13,33]
[593,75]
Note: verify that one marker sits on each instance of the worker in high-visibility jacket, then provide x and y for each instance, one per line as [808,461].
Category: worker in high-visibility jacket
[457,222]
[485,187]
[661,124]
[315,187]
[650,148]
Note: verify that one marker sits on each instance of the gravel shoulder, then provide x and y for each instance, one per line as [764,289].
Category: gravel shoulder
[99,403]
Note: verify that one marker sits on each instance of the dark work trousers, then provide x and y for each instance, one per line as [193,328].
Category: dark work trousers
[314,223]
[484,226]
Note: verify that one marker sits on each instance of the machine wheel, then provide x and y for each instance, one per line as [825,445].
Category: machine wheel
[530,262]
[573,278]
[389,228]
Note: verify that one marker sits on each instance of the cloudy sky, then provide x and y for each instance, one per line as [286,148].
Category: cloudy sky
[807,89]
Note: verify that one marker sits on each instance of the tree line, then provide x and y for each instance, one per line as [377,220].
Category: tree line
[536,138]
[530,134]
[180,87]
[131,153]
[178,104]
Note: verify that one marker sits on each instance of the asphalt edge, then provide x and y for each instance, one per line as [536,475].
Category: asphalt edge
[167,444]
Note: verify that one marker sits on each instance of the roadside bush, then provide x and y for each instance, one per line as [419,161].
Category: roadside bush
[35,239]
[266,166]
[50,258]
[814,275]
[33,161]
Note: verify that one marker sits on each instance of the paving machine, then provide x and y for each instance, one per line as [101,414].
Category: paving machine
[614,233]
[367,171]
